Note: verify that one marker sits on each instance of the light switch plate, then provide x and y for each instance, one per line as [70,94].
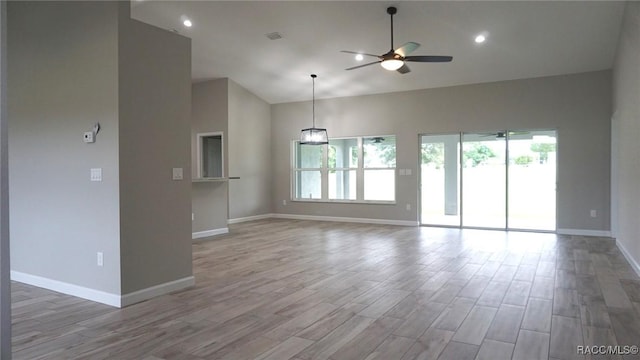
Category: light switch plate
[96,174]
[402,172]
[177,174]
[408,171]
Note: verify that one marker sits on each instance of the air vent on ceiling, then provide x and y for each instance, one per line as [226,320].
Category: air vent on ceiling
[274,36]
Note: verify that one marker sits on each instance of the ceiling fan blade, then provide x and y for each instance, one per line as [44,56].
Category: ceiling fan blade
[359,66]
[429,58]
[404,69]
[407,48]
[358,53]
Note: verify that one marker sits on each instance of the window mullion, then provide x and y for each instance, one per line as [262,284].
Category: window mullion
[360,172]
[324,174]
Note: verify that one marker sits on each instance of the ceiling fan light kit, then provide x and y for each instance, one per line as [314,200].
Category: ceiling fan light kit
[314,135]
[392,64]
[395,60]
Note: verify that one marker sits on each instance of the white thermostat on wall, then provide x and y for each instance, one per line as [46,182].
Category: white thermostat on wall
[88,137]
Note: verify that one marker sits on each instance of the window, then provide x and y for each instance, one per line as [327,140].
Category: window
[358,169]
[380,168]
[308,171]
[343,164]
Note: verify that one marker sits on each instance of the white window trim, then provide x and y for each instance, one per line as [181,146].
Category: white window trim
[199,137]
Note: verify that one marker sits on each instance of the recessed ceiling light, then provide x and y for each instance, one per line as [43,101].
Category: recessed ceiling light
[359,57]
[187,23]
[480,39]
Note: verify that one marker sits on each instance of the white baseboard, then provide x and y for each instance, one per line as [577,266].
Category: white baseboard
[66,288]
[207,233]
[581,232]
[346,219]
[249,218]
[101,296]
[634,264]
[157,290]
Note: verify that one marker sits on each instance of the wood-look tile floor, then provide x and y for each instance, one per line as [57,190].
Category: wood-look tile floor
[281,289]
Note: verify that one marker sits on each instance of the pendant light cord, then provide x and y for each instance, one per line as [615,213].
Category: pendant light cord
[313,101]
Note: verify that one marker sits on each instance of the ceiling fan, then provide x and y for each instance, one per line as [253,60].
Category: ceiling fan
[396,59]
[503,134]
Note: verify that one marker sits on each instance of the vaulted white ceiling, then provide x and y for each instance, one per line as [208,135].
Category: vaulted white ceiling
[524,39]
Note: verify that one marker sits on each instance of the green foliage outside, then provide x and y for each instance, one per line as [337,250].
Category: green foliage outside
[544,149]
[524,160]
[478,154]
[331,157]
[433,153]
[380,154]
[388,154]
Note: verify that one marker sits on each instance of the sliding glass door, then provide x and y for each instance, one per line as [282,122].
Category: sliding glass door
[484,180]
[502,180]
[532,180]
[440,176]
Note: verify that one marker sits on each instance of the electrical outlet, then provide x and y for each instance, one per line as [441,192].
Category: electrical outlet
[284,202]
[100,258]
[593,213]
[408,171]
[193,216]
[408,207]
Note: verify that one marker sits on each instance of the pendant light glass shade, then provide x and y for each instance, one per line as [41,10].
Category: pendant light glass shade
[314,135]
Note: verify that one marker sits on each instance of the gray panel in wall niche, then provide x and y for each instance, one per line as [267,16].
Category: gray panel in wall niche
[211,155]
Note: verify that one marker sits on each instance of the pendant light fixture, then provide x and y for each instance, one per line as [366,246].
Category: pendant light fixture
[314,135]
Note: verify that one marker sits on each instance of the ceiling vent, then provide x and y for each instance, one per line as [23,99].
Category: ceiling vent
[274,36]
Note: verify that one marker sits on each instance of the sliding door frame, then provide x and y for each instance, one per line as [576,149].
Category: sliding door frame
[459,134]
[461,182]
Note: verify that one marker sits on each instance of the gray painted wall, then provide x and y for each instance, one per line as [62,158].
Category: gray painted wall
[578,106]
[210,113]
[5,283]
[249,153]
[626,130]
[62,81]
[154,105]
[132,78]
